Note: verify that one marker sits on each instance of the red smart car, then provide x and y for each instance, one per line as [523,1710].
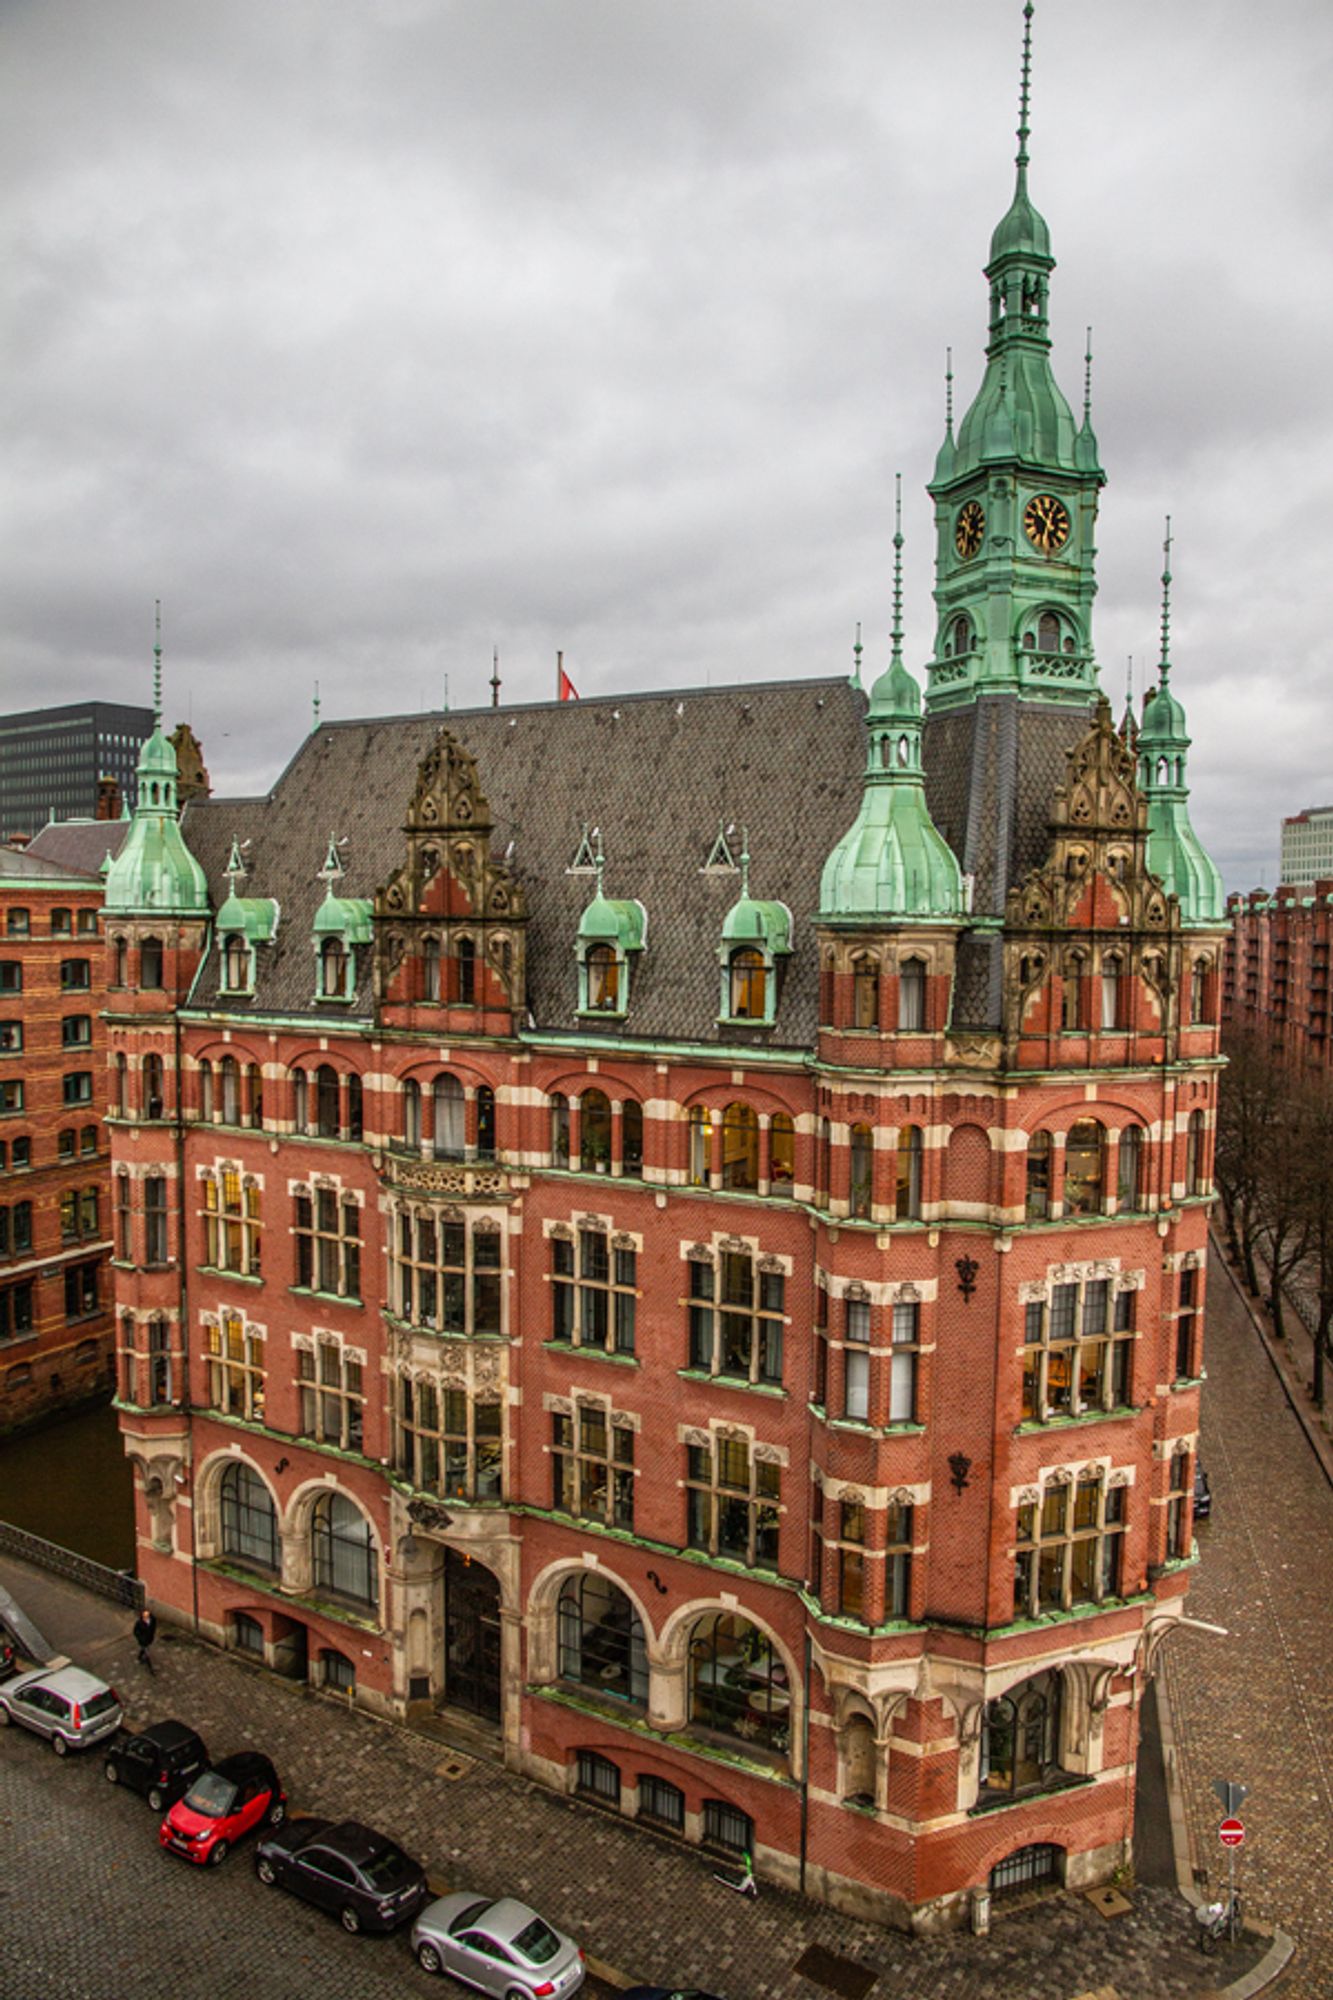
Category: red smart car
[239,1793]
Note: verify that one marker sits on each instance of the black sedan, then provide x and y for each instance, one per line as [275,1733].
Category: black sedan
[160,1763]
[362,1876]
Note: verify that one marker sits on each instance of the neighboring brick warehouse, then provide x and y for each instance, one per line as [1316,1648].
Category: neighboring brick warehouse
[55,1306]
[675,1224]
[1277,969]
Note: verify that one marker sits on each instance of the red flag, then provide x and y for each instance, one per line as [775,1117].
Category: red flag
[565,687]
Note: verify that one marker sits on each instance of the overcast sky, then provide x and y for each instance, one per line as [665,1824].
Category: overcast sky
[370,334]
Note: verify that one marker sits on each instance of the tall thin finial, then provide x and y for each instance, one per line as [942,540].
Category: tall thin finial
[1087,380]
[314,711]
[1129,683]
[856,657]
[897,634]
[157,663]
[495,677]
[599,860]
[948,392]
[745,861]
[446,694]
[1024,130]
[1166,604]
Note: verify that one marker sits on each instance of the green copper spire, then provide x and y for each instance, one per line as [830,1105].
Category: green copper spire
[155,871]
[892,863]
[1175,852]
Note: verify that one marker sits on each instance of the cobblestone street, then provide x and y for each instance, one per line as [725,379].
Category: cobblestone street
[641,1904]
[1258,1705]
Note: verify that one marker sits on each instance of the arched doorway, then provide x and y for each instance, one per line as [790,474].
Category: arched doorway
[471,1636]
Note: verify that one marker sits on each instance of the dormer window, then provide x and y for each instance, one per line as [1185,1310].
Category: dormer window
[603,980]
[754,936]
[236,964]
[611,931]
[333,969]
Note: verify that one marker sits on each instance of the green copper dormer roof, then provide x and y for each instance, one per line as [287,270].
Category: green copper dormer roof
[893,862]
[347,917]
[621,922]
[1175,852]
[254,917]
[155,870]
[753,921]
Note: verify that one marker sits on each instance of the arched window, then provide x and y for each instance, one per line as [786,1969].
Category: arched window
[595,1132]
[150,964]
[631,1136]
[430,958]
[1048,633]
[122,962]
[858,1761]
[781,1152]
[740,1148]
[912,993]
[1083,1168]
[467,972]
[1020,1739]
[559,1129]
[1072,1015]
[1195,1177]
[300,1101]
[206,1100]
[343,1548]
[355,1102]
[738,1684]
[249,1520]
[1112,970]
[865,991]
[601,1639]
[863,1156]
[154,1089]
[701,1146]
[254,1088]
[334,966]
[960,636]
[603,979]
[235,963]
[412,1114]
[485,1122]
[449,1106]
[120,1100]
[749,985]
[909,1174]
[327,1110]
[230,1074]
[1129,1172]
[1038,1200]
[1199,990]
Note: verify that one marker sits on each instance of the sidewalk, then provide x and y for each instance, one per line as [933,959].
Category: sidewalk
[1292,1359]
[643,1907]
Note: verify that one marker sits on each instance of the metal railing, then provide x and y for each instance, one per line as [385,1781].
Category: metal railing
[120,1585]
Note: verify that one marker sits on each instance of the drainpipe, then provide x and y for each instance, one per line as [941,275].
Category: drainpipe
[805,1758]
[182,1290]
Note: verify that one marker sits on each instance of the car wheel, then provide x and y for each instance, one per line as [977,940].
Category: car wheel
[351,1921]
[5,1716]
[518,1993]
[428,1957]
[110,1773]
[59,1745]
[277,1813]
[157,1798]
[217,1854]
[266,1872]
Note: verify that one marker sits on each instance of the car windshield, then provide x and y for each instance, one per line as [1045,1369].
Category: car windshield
[386,1868]
[212,1795]
[537,1942]
[99,1704]
[467,1917]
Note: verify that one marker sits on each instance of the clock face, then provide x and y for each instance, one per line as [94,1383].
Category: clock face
[969,528]
[1046,523]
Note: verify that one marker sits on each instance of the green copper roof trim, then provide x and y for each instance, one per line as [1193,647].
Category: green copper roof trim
[893,862]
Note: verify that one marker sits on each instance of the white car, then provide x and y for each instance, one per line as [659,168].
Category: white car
[503,1947]
[70,1708]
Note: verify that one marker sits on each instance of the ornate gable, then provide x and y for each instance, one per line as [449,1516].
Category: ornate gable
[449,923]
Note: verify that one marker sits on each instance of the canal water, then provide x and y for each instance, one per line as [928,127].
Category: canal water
[71,1483]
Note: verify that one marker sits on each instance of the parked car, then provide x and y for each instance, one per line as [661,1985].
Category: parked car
[160,1763]
[501,1947]
[1203,1493]
[348,1868]
[70,1708]
[224,1802]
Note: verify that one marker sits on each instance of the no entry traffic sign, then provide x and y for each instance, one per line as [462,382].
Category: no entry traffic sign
[1231,1833]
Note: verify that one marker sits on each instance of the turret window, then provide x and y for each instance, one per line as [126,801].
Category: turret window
[449,1107]
[1037,1205]
[485,1122]
[700,1144]
[862,1163]
[447,1277]
[431,962]
[1199,990]
[865,991]
[1129,1168]
[631,1137]
[1111,990]
[447,1443]
[150,964]
[912,994]
[1196,1178]
[154,1099]
[909,1174]
[559,1129]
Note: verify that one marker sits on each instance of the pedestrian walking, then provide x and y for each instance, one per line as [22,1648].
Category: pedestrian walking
[145,1631]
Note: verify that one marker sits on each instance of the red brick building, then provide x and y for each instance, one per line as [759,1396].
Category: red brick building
[55,1306]
[684,1237]
[1277,969]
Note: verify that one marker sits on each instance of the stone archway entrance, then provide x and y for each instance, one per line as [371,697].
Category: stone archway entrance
[471,1637]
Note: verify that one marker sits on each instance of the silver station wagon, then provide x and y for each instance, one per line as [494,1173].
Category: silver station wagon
[502,1947]
[67,1706]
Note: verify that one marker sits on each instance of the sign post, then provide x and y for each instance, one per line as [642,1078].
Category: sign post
[1231,1833]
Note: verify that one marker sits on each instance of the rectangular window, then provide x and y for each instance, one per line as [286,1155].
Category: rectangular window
[11,1097]
[11,1038]
[447,1276]
[62,924]
[599,1778]
[155,1219]
[1078,1351]
[235,1359]
[232,1222]
[81,1299]
[77,1087]
[856,1361]
[733,1502]
[16,923]
[16,1310]
[596,1305]
[903,1364]
[75,975]
[736,1316]
[1069,1553]
[76,1031]
[124,1239]
[332,1395]
[87,923]
[662,1803]
[593,1466]
[327,1228]
[11,975]
[159,1362]
[447,1444]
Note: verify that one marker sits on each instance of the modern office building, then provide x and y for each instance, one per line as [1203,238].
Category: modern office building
[1307,847]
[679,1231]
[52,758]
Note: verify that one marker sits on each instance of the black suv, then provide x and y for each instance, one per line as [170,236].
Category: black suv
[361,1875]
[160,1764]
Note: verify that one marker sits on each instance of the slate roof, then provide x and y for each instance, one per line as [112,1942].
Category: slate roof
[655,772]
[20,864]
[82,844]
